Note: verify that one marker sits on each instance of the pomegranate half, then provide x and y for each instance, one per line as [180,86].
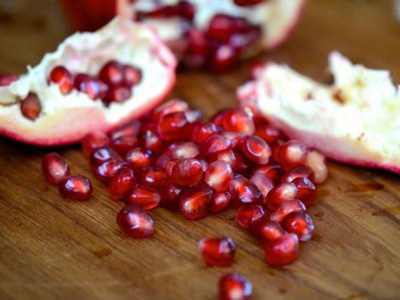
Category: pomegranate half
[356,120]
[37,110]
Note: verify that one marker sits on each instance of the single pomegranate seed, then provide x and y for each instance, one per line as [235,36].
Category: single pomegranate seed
[101,155]
[173,126]
[196,51]
[63,78]
[316,162]
[216,143]
[75,187]
[123,181]
[282,251]
[155,178]
[234,137]
[307,192]
[131,129]
[118,94]
[292,154]
[203,131]
[193,115]
[31,107]
[108,169]
[183,150]
[7,79]
[247,2]
[218,118]
[256,150]
[131,75]
[94,141]
[300,224]
[186,10]
[88,85]
[150,140]
[244,192]
[219,175]
[268,133]
[163,160]
[139,158]
[187,172]
[194,203]
[146,197]
[222,58]
[264,184]
[234,286]
[169,107]
[234,159]
[287,207]
[267,231]
[220,201]
[54,167]
[298,172]
[273,171]
[249,215]
[147,125]
[281,192]
[218,252]
[238,121]
[135,221]
[170,197]
[124,144]
[220,28]
[112,73]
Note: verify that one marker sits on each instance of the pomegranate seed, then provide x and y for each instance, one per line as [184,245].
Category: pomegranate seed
[112,73]
[7,79]
[292,154]
[131,129]
[273,171]
[154,178]
[146,197]
[316,162]
[196,51]
[169,107]
[220,201]
[101,155]
[150,140]
[256,150]
[193,115]
[244,192]
[63,78]
[218,252]
[220,28]
[163,160]
[135,221]
[108,169]
[124,144]
[186,10]
[131,75]
[234,137]
[148,125]
[219,175]
[173,126]
[287,207]
[118,94]
[264,184]
[300,224]
[238,121]
[307,192]
[88,85]
[234,286]
[54,167]
[121,183]
[203,131]
[75,187]
[267,232]
[94,141]
[218,118]
[187,172]
[183,150]
[279,193]
[247,2]
[170,197]
[249,215]
[194,203]
[222,58]
[298,172]
[31,107]
[139,158]
[216,143]
[234,159]
[282,251]
[268,133]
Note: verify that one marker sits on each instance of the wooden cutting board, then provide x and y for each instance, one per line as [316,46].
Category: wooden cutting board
[53,248]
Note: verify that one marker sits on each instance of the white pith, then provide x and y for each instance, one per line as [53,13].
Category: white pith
[355,120]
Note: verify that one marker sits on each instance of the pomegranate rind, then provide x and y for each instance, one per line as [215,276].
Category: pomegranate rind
[354,121]
[66,119]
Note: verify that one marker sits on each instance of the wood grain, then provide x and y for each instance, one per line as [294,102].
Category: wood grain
[52,248]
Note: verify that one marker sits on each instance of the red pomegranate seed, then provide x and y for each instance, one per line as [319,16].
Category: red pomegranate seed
[88,85]
[256,150]
[31,107]
[194,203]
[163,160]
[234,159]
[220,28]
[247,2]
[316,162]
[108,169]
[101,155]
[300,224]
[187,172]
[234,286]
[170,197]
[267,231]
[287,207]
[146,197]
[118,94]
[94,141]
[123,181]
[169,107]
[249,215]
[218,252]
[150,140]
[238,121]
[235,137]
[139,158]
[173,126]
[112,73]
[292,154]
[63,78]
[216,143]
[193,115]
[155,178]
[131,75]
[281,192]
[273,171]
[54,167]
[307,192]
[75,187]
[220,201]
[135,221]
[264,184]
[131,129]
[243,192]
[186,10]
[219,175]
[196,51]
[219,116]
[7,79]
[203,131]
[148,125]
[298,172]
[183,150]
[268,133]
[124,144]
[282,251]
[222,58]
